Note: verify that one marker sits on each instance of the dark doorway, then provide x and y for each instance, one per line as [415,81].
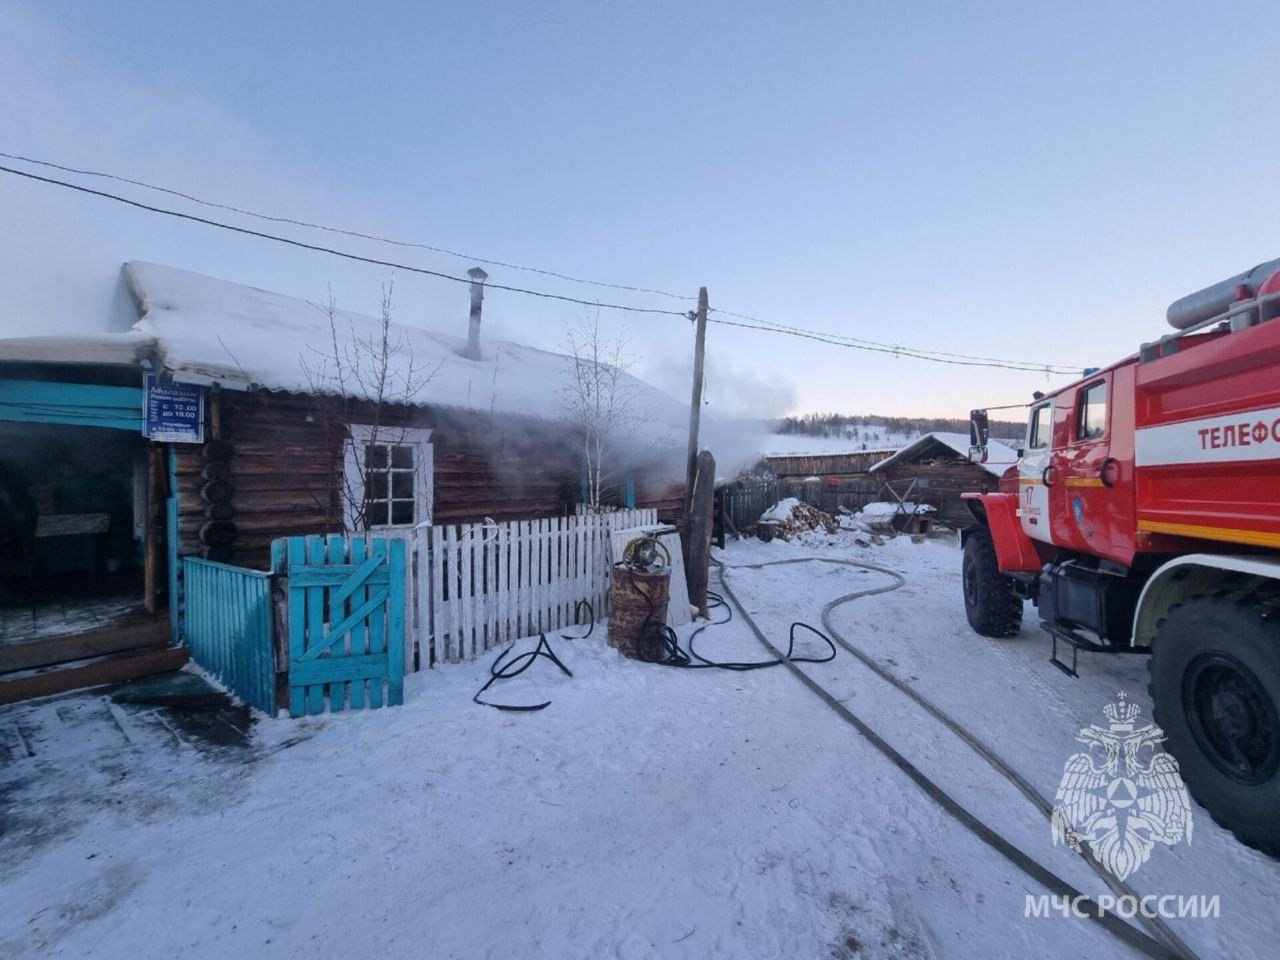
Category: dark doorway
[73,517]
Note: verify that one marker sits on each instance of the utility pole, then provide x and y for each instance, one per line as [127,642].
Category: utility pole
[698,532]
[695,407]
[695,559]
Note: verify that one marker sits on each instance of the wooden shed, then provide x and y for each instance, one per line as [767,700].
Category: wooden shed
[853,463]
[940,467]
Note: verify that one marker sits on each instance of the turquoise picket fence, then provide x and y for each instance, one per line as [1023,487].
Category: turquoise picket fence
[346,621]
[227,624]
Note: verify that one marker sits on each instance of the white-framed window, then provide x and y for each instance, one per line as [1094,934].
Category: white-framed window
[388,477]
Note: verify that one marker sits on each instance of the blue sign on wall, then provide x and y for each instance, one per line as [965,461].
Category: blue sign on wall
[172,412]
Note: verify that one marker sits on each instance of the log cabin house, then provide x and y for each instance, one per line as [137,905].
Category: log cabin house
[262,420]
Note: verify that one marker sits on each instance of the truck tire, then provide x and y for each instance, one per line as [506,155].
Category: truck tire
[990,605]
[1215,685]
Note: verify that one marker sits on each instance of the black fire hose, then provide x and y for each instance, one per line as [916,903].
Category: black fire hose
[1166,947]
[658,643]
[503,669]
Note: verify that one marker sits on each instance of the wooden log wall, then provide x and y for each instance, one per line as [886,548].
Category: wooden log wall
[505,468]
[283,474]
[285,471]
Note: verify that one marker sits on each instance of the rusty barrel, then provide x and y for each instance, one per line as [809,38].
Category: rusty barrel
[628,608]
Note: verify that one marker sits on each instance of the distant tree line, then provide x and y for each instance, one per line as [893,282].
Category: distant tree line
[874,428]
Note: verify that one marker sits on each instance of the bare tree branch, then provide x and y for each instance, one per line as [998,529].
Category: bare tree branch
[599,397]
[376,369]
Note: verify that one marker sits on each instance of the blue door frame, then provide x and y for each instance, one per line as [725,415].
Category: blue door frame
[171,547]
[72,404]
[96,405]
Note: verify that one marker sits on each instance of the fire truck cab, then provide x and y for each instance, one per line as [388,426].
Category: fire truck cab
[1143,516]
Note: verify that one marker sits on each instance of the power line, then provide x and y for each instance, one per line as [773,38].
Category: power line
[330,250]
[832,339]
[879,345]
[1054,368]
[896,351]
[341,231]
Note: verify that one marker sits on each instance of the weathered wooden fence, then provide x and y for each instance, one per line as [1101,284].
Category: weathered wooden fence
[228,628]
[479,585]
[742,501]
[829,495]
[363,610]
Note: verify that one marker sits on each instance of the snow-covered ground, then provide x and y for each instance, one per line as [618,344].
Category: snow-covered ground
[648,812]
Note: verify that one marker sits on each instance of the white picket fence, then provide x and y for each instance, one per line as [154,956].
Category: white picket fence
[477,586]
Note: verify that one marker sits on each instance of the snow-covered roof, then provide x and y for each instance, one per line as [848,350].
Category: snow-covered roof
[100,349]
[207,329]
[999,456]
[802,445]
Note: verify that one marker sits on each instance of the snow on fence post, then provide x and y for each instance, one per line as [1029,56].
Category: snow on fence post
[449,605]
[478,586]
[467,595]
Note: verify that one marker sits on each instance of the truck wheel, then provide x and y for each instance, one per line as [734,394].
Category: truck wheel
[992,608]
[1215,684]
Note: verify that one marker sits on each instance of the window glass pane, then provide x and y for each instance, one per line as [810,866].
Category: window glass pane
[391,486]
[1093,412]
[375,512]
[402,485]
[1041,426]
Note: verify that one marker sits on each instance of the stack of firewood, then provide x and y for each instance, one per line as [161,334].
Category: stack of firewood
[804,518]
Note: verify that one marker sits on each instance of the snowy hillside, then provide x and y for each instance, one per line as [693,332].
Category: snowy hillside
[816,434]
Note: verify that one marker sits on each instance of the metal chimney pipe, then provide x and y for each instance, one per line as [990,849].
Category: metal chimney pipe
[478,277]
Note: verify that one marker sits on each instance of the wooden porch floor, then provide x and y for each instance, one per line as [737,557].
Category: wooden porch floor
[66,617]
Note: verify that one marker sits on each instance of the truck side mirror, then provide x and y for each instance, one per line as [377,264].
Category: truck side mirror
[979,434]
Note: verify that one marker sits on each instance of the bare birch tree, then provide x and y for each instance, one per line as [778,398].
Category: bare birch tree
[599,397]
[375,367]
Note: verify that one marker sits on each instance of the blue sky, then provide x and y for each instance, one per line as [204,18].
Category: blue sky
[1021,180]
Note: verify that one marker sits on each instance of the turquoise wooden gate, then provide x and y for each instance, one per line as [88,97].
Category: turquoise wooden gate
[346,622]
[227,625]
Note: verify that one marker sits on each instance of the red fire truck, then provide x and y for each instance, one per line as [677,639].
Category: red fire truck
[1143,516]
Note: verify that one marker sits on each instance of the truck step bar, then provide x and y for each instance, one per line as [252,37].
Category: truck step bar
[1078,642]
